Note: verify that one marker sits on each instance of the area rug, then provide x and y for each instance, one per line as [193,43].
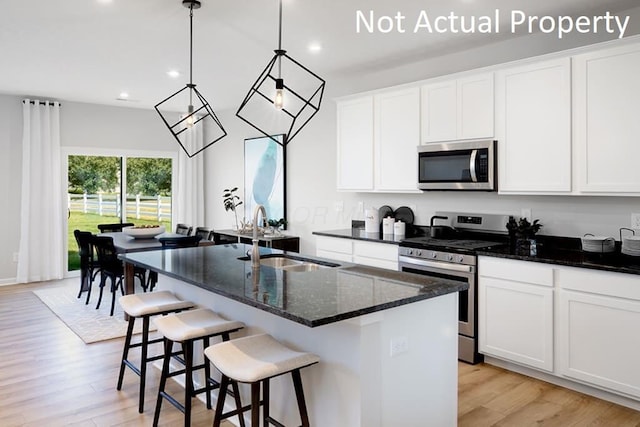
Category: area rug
[89,324]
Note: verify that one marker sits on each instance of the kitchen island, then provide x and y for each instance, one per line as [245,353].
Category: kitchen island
[387,340]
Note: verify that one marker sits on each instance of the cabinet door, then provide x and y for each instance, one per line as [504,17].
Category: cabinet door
[334,248]
[598,339]
[383,255]
[475,107]
[515,322]
[397,136]
[607,105]
[533,128]
[439,112]
[355,144]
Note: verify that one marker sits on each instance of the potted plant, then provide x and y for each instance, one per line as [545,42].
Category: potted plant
[231,202]
[522,235]
[276,225]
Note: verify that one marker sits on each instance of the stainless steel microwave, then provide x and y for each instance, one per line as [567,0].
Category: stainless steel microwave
[458,165]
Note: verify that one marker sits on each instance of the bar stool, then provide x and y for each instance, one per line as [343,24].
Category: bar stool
[254,360]
[144,306]
[187,328]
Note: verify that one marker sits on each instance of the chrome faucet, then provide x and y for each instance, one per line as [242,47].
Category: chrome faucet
[255,251]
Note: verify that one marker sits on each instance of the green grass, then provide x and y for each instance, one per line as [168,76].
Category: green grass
[89,222]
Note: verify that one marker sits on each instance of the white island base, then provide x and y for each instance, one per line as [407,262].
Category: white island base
[358,382]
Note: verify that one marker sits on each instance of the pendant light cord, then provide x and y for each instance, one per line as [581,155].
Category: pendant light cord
[191,54]
[280,39]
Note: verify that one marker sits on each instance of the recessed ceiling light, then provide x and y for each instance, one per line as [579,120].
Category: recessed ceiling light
[174,74]
[315,47]
[105,1]
[123,95]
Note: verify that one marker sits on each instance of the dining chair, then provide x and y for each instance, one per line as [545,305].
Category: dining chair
[205,233]
[184,229]
[171,243]
[89,266]
[114,228]
[112,269]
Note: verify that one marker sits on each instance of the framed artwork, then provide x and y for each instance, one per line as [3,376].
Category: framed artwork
[264,176]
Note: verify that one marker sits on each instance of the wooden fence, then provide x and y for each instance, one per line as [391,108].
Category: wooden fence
[139,207]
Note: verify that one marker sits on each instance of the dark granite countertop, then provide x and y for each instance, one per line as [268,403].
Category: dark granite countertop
[360,234]
[312,298]
[567,251]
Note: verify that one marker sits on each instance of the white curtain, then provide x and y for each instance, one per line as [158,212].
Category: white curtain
[190,200]
[41,254]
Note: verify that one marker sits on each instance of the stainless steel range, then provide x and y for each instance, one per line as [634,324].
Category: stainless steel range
[454,257]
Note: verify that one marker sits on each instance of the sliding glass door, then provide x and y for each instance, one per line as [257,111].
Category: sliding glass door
[113,189]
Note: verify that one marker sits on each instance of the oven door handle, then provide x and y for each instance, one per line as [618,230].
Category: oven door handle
[444,266]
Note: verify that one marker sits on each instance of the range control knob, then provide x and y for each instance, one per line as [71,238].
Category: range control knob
[449,257]
[461,258]
[434,255]
[409,251]
[419,253]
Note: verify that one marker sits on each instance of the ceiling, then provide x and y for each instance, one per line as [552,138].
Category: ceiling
[93,50]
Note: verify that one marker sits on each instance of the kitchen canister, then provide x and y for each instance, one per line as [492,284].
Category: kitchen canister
[388,225]
[371,221]
[399,228]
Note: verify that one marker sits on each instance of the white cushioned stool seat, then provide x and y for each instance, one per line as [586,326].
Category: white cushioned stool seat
[152,302]
[256,357]
[189,325]
[186,328]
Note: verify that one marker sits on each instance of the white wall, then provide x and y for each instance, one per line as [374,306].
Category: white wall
[10,172]
[82,126]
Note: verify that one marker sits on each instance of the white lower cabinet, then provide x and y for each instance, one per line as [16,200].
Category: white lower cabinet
[599,315]
[592,338]
[383,255]
[515,311]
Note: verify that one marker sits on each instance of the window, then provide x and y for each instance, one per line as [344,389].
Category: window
[111,189]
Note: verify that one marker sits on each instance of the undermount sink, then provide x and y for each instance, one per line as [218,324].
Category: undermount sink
[287,263]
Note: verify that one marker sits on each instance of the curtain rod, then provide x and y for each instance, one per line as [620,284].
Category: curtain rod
[41,102]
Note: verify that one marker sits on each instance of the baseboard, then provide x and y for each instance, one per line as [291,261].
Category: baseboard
[562,382]
[7,282]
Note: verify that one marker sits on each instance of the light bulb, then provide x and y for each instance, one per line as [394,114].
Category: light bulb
[278,101]
[190,118]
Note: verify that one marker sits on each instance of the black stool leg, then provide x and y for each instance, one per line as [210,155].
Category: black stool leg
[125,352]
[302,407]
[236,395]
[187,347]
[143,361]
[207,374]
[255,403]
[168,346]
[265,399]
[222,393]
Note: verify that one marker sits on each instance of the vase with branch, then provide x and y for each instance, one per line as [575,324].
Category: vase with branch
[231,202]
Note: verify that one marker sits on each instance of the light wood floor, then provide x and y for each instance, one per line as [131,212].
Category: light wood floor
[49,377]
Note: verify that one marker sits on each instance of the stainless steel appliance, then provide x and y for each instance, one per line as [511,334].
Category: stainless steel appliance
[459,165]
[454,258]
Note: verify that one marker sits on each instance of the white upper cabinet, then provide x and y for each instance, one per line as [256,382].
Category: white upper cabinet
[458,109]
[397,136]
[533,128]
[355,144]
[378,136]
[607,121]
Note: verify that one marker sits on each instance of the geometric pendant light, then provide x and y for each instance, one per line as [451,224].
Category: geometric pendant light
[197,111]
[284,98]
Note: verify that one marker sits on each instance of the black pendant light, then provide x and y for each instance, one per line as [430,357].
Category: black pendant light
[285,96]
[195,107]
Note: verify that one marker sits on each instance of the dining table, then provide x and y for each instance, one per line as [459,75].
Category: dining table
[124,243]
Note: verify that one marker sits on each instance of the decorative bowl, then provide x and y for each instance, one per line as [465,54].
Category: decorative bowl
[142,232]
